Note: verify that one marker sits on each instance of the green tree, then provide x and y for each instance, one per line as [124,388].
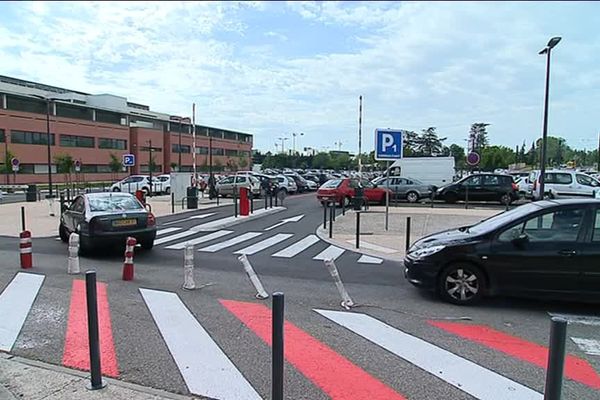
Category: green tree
[494,157]
[410,140]
[322,161]
[6,164]
[458,152]
[428,144]
[114,164]
[478,133]
[64,165]
[243,162]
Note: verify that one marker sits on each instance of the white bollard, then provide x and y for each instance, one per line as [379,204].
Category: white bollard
[73,263]
[347,302]
[51,207]
[188,267]
[260,290]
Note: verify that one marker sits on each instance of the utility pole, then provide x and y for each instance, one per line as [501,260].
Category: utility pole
[150,164]
[598,155]
[48,147]
[194,142]
[179,150]
[359,135]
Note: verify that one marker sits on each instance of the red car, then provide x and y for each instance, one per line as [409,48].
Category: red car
[342,191]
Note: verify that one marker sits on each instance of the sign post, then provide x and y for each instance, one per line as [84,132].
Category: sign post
[15,167]
[388,147]
[128,162]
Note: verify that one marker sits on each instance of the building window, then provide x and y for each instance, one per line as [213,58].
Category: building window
[184,148]
[27,168]
[230,136]
[108,117]
[76,141]
[156,169]
[229,152]
[26,104]
[216,134]
[95,168]
[2,136]
[106,143]
[43,168]
[71,111]
[217,151]
[23,137]
[154,149]
[201,150]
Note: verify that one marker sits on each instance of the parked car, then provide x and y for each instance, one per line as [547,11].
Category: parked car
[137,182]
[341,191]
[165,183]
[546,248]
[107,218]
[406,188]
[286,184]
[228,185]
[564,183]
[480,187]
[301,183]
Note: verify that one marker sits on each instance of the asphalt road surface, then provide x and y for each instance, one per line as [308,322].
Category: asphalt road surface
[214,341]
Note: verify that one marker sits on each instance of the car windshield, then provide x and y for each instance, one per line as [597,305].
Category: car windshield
[497,220]
[332,184]
[113,203]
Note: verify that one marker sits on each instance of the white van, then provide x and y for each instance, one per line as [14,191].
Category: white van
[564,183]
[434,171]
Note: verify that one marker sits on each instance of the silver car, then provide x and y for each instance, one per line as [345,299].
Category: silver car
[227,185]
[406,188]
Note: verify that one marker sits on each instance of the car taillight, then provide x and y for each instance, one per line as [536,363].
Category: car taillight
[151,221]
[515,186]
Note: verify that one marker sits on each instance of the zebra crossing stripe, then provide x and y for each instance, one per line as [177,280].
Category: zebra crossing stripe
[15,302]
[588,346]
[231,242]
[201,216]
[463,374]
[174,237]
[198,240]
[297,247]
[576,368]
[166,230]
[337,376]
[364,259]
[204,367]
[264,244]
[330,253]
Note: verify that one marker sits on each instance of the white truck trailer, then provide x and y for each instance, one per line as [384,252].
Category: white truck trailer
[436,171]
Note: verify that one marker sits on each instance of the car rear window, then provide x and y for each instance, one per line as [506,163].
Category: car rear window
[332,184]
[114,203]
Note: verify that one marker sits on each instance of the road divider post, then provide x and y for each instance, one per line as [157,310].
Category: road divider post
[277,365]
[172,203]
[347,302]
[357,229]
[25,249]
[128,263]
[96,381]
[188,267]
[325,207]
[251,202]
[556,358]
[235,202]
[73,261]
[260,290]
[407,234]
[22,218]
[331,219]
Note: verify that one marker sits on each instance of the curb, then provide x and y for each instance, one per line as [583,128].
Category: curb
[324,236]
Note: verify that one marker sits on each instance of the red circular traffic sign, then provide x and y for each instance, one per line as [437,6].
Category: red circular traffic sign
[473,158]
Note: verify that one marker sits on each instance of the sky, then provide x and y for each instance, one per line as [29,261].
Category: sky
[277,68]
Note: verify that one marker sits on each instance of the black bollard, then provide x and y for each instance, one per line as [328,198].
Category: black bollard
[271,199]
[22,218]
[325,206]
[357,229]
[407,233]
[556,359]
[276,197]
[251,203]
[172,203]
[277,338]
[266,204]
[217,196]
[235,203]
[343,206]
[93,335]
[331,219]
[333,207]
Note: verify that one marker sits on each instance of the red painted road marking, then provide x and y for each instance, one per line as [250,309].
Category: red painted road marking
[576,368]
[77,351]
[339,378]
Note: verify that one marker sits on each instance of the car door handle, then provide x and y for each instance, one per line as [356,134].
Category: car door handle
[567,253]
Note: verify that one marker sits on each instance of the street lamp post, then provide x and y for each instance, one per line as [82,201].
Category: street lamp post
[546,50]
[283,139]
[179,149]
[150,164]
[48,147]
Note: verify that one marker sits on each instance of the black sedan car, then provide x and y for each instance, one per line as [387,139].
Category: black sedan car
[480,187]
[547,248]
[107,218]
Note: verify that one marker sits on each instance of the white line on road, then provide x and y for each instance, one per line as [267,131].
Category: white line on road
[297,247]
[364,259]
[174,237]
[198,240]
[374,247]
[588,346]
[228,221]
[166,230]
[264,244]
[330,253]
[15,302]
[204,367]
[231,242]
[201,216]
[463,374]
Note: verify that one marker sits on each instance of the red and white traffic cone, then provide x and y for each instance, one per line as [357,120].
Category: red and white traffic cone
[128,264]
[25,249]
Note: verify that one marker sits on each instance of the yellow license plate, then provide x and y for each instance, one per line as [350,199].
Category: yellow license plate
[124,222]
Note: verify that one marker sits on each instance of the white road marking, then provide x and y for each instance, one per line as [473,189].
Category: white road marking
[231,242]
[204,367]
[588,346]
[297,247]
[166,230]
[202,216]
[264,244]
[374,247]
[15,302]
[198,240]
[463,374]
[285,221]
[332,252]
[364,259]
[228,221]
[188,218]
[174,237]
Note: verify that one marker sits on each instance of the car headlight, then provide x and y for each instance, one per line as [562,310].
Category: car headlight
[426,251]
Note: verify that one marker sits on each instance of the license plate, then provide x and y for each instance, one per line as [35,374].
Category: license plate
[124,222]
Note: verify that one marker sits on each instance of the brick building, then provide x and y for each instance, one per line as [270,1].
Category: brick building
[95,128]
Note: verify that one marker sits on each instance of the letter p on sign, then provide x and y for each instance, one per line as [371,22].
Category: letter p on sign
[388,144]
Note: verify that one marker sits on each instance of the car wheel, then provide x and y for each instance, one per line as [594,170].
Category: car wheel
[461,283]
[345,202]
[506,199]
[63,233]
[450,197]
[116,189]
[168,190]
[146,191]
[147,244]
[412,197]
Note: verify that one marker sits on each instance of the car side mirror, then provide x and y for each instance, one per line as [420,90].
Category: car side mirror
[520,240]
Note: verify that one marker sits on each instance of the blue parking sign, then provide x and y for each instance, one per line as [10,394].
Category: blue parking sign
[128,160]
[388,144]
